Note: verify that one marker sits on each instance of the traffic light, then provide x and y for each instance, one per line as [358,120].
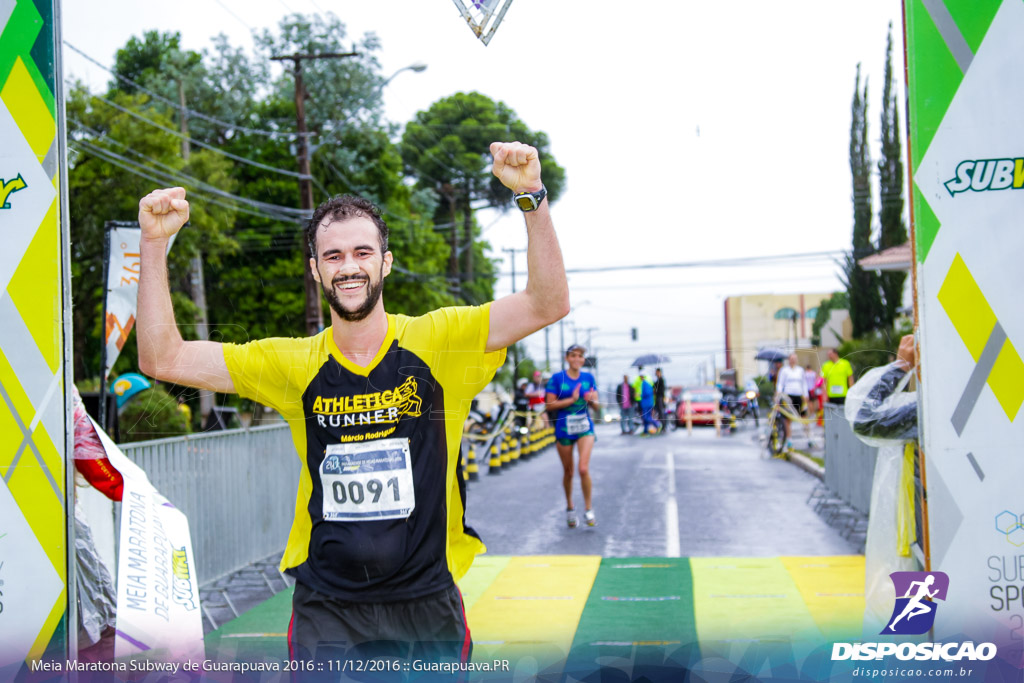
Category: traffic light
[634,334]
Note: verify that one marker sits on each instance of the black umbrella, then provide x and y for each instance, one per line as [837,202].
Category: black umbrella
[771,355]
[650,359]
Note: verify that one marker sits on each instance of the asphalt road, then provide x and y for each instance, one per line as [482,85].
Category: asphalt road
[673,495]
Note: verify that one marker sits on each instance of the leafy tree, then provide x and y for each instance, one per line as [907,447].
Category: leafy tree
[446,149]
[862,286]
[837,302]
[153,414]
[876,348]
[893,231]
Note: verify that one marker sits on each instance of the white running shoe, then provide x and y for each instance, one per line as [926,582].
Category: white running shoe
[589,518]
[570,517]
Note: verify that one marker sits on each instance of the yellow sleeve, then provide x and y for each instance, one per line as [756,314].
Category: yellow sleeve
[454,341]
[273,371]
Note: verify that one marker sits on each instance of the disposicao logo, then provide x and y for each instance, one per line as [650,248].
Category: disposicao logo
[981,175]
[9,187]
[914,614]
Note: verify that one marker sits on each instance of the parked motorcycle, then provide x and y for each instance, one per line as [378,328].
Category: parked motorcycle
[741,405]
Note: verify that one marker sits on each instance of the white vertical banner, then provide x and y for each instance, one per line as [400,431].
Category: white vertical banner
[122,294]
[968,207]
[158,610]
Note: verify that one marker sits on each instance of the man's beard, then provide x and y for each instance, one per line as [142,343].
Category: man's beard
[373,292]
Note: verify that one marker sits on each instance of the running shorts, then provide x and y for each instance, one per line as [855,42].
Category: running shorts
[797,402]
[431,629]
[570,440]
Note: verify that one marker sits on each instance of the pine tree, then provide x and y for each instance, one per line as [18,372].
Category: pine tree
[862,286]
[893,231]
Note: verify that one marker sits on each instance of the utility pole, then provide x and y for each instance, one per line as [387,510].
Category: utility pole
[314,312]
[515,351]
[196,279]
[547,348]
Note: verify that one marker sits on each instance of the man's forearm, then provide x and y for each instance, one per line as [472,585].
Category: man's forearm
[158,337]
[546,283]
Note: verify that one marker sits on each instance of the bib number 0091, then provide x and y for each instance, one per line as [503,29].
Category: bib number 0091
[366,481]
[356,493]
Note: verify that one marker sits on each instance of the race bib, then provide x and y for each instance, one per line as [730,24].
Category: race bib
[577,423]
[364,481]
[836,390]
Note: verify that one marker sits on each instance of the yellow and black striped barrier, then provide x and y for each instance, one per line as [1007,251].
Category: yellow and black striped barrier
[472,469]
[505,446]
[494,463]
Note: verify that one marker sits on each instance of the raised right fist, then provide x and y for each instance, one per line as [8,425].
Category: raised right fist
[162,213]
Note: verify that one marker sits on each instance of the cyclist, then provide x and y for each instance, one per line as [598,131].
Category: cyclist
[570,392]
[791,388]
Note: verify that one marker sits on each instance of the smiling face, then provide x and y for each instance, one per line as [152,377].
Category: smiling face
[575,359]
[350,267]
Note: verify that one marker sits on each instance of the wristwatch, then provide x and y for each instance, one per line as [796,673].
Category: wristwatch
[529,201]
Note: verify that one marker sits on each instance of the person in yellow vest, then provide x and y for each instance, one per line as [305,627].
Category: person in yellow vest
[838,375]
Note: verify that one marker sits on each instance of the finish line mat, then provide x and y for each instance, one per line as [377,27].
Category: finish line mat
[552,613]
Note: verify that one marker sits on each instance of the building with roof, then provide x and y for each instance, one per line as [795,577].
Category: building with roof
[755,322]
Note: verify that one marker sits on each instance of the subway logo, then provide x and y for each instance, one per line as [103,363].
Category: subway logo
[987,174]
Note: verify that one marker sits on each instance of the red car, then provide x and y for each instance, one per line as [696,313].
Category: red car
[704,403]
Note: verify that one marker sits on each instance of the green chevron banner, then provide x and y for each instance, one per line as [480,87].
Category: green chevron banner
[33,432]
[967,156]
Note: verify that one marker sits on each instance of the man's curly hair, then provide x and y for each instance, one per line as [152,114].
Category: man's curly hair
[344,207]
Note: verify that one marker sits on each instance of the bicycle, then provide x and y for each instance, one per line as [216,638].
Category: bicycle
[776,432]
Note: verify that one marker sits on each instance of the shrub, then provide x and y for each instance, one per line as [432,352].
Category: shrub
[874,349]
[152,414]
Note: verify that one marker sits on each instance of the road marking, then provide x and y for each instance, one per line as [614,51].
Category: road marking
[659,598]
[671,510]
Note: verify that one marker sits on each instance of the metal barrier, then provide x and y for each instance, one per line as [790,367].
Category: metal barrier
[237,488]
[849,462]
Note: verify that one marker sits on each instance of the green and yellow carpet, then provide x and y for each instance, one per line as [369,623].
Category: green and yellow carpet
[574,613]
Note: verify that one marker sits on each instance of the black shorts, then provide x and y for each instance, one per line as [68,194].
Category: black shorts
[326,629]
[798,402]
[837,400]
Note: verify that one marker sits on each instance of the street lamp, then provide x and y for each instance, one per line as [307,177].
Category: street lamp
[418,67]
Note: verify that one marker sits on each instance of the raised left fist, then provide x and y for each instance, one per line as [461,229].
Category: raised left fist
[517,166]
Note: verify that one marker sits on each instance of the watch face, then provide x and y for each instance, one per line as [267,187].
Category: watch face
[526,202]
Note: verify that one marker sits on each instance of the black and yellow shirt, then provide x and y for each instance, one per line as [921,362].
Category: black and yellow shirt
[379,514]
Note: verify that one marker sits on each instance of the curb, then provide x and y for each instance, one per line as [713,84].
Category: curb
[805,463]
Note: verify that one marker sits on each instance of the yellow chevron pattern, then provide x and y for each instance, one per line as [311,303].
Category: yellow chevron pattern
[974,320]
[33,424]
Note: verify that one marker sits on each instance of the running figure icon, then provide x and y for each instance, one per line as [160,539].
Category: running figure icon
[916,605]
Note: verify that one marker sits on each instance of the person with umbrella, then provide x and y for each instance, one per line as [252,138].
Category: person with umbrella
[570,392]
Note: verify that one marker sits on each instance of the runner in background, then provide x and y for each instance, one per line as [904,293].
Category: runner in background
[570,392]
[535,392]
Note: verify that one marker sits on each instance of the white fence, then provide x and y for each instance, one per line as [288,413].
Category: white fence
[849,462]
[237,488]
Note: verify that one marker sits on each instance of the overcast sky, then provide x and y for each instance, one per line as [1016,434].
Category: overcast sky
[689,131]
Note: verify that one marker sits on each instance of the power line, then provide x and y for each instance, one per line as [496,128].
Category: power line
[178,174]
[249,162]
[177,106]
[779,259]
[161,178]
